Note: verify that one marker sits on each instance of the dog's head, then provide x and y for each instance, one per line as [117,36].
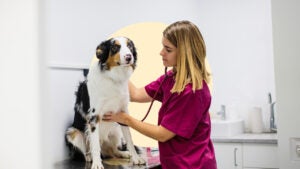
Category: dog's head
[119,51]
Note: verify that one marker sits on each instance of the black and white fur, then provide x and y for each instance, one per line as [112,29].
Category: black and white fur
[105,90]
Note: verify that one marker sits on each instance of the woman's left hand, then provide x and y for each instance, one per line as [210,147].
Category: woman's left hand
[119,117]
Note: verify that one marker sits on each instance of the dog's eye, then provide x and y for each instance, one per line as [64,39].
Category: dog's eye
[115,48]
[130,46]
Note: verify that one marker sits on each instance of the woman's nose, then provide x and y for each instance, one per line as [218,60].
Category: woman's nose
[161,53]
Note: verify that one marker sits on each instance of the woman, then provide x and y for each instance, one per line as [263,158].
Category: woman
[183,129]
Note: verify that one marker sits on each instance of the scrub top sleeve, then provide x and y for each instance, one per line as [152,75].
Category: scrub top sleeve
[152,87]
[184,113]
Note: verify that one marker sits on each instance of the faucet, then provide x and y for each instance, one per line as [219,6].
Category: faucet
[273,127]
[222,112]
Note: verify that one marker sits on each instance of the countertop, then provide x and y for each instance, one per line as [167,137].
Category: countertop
[150,154]
[262,138]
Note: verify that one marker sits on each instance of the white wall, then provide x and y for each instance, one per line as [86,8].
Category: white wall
[286,56]
[238,35]
[58,114]
[20,86]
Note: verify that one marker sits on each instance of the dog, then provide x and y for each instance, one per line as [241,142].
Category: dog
[104,90]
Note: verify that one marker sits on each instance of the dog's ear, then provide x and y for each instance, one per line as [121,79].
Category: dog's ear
[133,51]
[102,51]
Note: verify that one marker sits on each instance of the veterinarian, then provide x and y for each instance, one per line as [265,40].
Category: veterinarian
[184,126]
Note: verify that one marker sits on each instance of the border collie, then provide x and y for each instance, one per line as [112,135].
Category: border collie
[104,90]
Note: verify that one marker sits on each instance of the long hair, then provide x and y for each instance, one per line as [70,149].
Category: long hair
[191,53]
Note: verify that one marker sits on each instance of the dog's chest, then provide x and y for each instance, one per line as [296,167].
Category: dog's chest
[108,96]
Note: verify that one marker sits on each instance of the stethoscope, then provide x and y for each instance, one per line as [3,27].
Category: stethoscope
[153,98]
[152,101]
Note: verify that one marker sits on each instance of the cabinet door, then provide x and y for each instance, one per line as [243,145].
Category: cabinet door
[228,155]
[257,168]
[260,155]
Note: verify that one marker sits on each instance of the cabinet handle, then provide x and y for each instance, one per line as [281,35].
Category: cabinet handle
[235,150]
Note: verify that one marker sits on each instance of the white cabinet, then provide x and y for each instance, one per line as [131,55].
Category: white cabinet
[260,155]
[246,155]
[229,155]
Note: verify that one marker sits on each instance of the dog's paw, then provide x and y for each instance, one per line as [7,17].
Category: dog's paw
[123,154]
[97,165]
[88,158]
[138,161]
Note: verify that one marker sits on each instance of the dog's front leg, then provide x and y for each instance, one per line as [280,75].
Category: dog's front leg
[135,157]
[94,141]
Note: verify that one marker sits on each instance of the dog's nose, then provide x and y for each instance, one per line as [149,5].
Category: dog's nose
[128,57]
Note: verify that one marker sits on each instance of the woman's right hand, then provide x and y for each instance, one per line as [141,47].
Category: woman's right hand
[120,117]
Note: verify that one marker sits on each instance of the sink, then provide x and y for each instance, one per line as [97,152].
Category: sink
[226,128]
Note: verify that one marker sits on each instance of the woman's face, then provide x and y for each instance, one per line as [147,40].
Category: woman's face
[168,53]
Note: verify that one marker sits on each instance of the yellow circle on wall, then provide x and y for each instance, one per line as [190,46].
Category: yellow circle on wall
[147,39]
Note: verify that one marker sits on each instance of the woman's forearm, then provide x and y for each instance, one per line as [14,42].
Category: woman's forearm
[138,94]
[158,133]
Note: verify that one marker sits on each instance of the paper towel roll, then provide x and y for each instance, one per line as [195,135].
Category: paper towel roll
[255,120]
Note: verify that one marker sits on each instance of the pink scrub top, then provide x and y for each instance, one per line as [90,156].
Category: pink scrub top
[185,114]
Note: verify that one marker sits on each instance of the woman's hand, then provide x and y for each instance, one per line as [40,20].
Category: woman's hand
[156,132]
[120,117]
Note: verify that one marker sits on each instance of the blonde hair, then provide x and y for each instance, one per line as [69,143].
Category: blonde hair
[191,53]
